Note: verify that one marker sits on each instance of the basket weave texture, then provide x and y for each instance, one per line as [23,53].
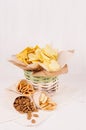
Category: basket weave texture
[47,84]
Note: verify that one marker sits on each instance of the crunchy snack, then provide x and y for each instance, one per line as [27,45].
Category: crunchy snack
[24,104]
[43,98]
[35,115]
[50,52]
[46,103]
[25,88]
[33,121]
[23,55]
[49,106]
[45,57]
[29,115]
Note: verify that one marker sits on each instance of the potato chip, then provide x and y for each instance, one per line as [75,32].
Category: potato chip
[53,66]
[38,54]
[46,103]
[45,57]
[32,57]
[43,98]
[50,107]
[50,52]
[23,55]
[43,105]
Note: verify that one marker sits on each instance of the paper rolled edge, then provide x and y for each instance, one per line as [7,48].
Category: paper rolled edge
[65,56]
[21,65]
[55,73]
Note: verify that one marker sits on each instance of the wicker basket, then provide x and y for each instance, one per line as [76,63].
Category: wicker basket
[47,84]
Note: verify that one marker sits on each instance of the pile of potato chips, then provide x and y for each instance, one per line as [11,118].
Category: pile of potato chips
[46,57]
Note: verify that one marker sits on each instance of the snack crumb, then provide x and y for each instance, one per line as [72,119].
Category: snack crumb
[35,115]
[36,110]
[29,115]
[33,121]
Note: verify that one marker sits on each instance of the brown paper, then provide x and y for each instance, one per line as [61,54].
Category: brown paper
[21,65]
[64,57]
[47,73]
